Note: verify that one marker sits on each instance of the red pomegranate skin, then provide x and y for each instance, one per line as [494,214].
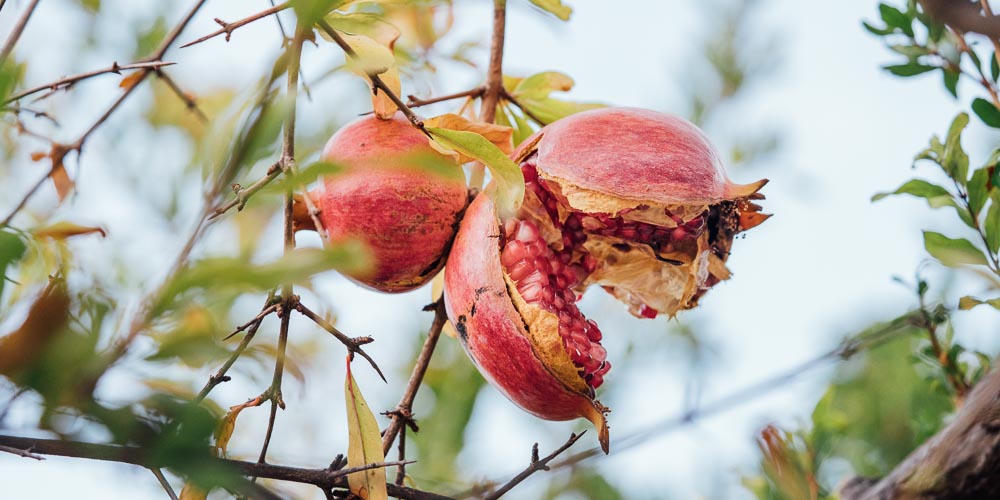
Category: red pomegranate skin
[491,329]
[407,215]
[636,154]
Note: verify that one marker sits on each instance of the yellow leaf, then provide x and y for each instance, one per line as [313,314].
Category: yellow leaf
[371,57]
[133,79]
[192,492]
[364,444]
[381,103]
[63,230]
[228,424]
[499,135]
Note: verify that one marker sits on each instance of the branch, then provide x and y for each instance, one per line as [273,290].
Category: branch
[535,466]
[376,81]
[163,482]
[15,34]
[963,15]
[494,81]
[243,194]
[415,102]
[353,345]
[184,96]
[847,349]
[228,28]
[513,100]
[960,461]
[323,478]
[403,412]
[77,145]
[220,376]
[68,81]
[19,452]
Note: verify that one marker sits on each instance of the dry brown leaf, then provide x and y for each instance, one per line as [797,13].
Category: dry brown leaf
[63,230]
[224,432]
[132,79]
[38,155]
[46,319]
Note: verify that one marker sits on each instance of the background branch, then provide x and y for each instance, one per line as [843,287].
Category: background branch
[15,34]
[68,81]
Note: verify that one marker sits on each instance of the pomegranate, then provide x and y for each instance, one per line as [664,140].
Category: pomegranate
[632,200]
[397,194]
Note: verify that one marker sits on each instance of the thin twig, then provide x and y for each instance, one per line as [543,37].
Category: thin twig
[228,28]
[243,194]
[69,81]
[189,101]
[844,351]
[376,81]
[324,478]
[19,452]
[220,376]
[402,414]
[415,102]
[353,345]
[77,145]
[163,482]
[494,82]
[533,467]
[513,100]
[15,34]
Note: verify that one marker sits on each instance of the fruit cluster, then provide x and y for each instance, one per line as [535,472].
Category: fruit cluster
[634,201]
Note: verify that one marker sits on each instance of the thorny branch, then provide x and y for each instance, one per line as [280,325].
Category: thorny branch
[163,482]
[288,299]
[964,16]
[228,28]
[533,467]
[60,151]
[68,81]
[353,344]
[377,83]
[403,412]
[323,478]
[15,33]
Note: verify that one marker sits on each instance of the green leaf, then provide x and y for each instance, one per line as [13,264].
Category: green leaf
[297,266]
[978,189]
[919,188]
[986,112]
[951,81]
[894,18]
[12,248]
[992,223]
[506,174]
[911,51]
[876,31]
[554,7]
[909,69]
[533,94]
[364,444]
[994,69]
[953,252]
[968,302]
[954,160]
[543,84]
[311,11]
[10,75]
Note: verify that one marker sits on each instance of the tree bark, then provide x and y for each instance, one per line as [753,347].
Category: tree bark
[962,461]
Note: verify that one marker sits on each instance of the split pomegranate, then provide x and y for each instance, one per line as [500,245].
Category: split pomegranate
[632,200]
[397,195]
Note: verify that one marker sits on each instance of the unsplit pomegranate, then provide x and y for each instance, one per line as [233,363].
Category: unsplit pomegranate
[397,195]
[632,200]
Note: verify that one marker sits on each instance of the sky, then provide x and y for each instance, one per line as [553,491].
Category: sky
[817,271]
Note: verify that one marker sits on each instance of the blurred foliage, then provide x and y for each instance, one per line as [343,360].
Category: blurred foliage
[884,405]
